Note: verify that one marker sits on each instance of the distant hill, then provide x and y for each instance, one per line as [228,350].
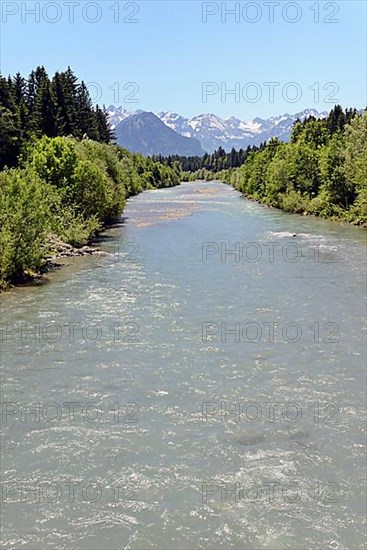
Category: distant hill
[145,133]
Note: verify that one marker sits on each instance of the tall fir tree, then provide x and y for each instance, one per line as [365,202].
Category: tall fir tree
[9,138]
[9,124]
[65,89]
[44,116]
[106,135]
[7,98]
[87,119]
[19,88]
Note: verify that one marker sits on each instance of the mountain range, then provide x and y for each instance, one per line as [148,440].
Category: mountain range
[171,133]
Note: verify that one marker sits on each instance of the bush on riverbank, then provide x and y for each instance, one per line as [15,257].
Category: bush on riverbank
[25,219]
[71,188]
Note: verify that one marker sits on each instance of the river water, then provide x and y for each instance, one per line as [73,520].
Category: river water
[202,385]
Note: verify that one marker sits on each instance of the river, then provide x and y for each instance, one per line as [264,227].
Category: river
[200,386]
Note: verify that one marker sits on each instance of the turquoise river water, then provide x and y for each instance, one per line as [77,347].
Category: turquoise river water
[202,385]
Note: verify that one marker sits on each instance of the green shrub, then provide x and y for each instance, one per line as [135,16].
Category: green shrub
[75,230]
[25,220]
[292,201]
[53,160]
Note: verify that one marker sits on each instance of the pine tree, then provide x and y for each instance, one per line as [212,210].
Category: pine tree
[65,90]
[44,116]
[9,124]
[40,76]
[7,99]
[87,119]
[31,91]
[19,88]
[19,92]
[105,133]
[9,138]
[336,120]
[35,80]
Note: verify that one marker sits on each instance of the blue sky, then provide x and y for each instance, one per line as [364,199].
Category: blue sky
[169,52]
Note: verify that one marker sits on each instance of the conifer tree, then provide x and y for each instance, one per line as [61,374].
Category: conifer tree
[7,99]
[19,88]
[9,125]
[31,91]
[104,130]
[44,116]
[87,119]
[65,91]
[336,120]
[9,138]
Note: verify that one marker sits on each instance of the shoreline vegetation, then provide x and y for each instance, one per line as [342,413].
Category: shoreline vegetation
[321,172]
[62,179]
[64,194]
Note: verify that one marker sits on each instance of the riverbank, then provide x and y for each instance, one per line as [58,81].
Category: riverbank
[321,171]
[71,189]
[56,250]
[340,220]
[336,214]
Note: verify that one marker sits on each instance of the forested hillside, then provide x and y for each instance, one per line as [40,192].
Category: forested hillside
[60,173]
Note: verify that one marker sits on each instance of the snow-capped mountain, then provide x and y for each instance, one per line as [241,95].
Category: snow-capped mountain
[118,114]
[213,131]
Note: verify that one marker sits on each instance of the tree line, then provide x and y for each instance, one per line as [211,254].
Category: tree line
[322,171]
[60,172]
[39,105]
[215,162]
